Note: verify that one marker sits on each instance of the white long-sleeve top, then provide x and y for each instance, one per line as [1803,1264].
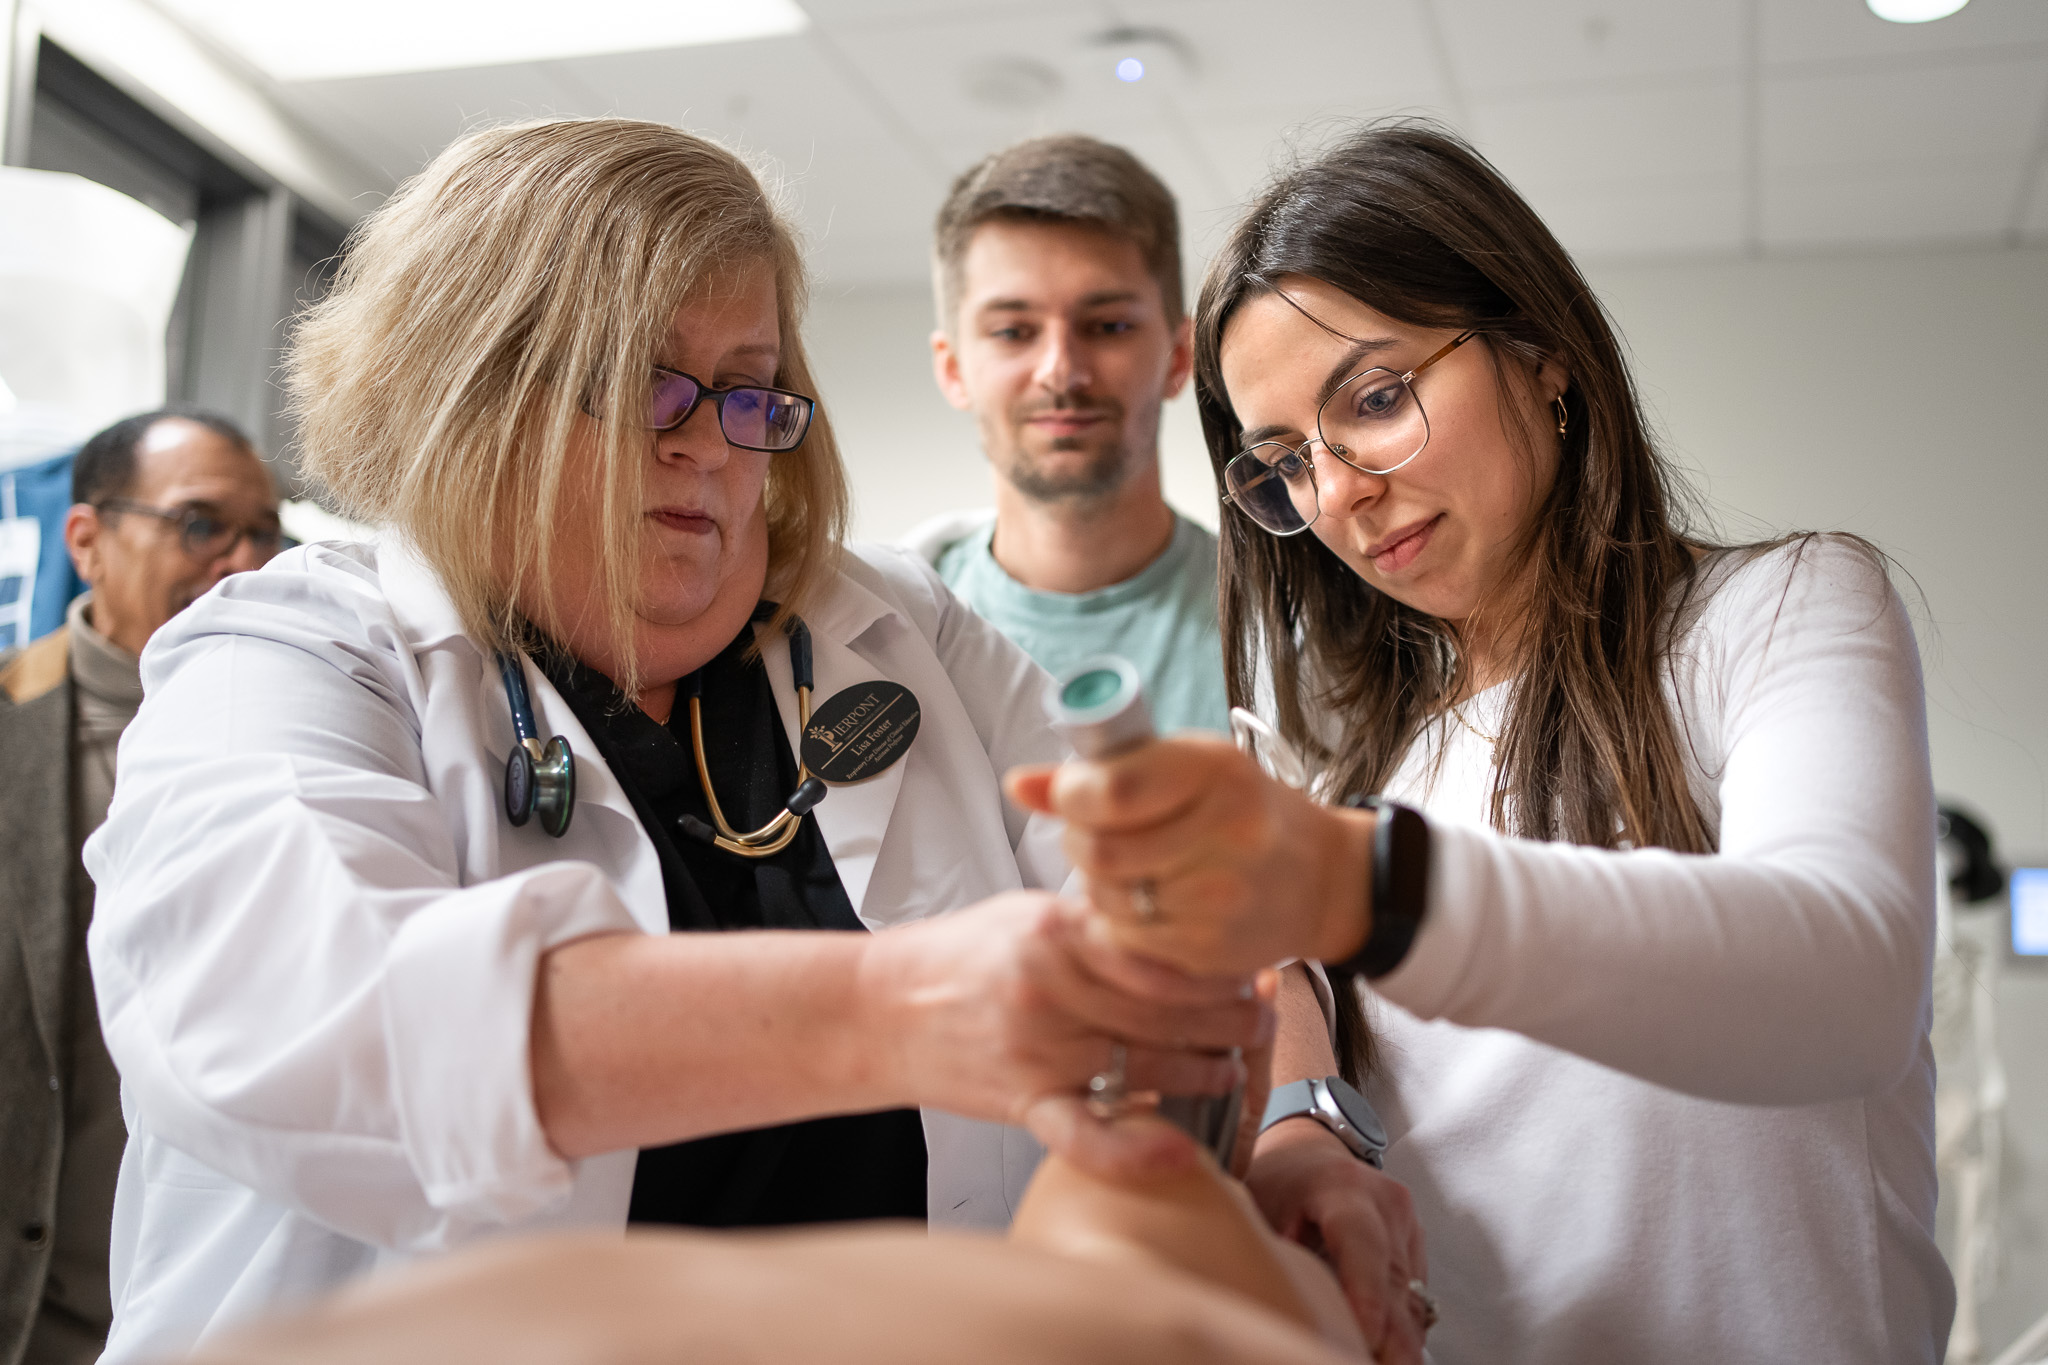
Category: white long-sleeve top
[1665,1107]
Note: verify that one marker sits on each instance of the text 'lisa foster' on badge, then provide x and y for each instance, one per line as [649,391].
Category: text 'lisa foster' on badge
[857,733]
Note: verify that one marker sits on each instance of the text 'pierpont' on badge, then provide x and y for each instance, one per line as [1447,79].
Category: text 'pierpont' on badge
[857,733]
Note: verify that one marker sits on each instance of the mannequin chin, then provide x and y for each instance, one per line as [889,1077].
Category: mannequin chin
[1198,1222]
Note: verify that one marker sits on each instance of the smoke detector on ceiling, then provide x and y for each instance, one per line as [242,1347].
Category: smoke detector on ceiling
[1012,83]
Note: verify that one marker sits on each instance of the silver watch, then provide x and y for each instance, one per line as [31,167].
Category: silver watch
[1332,1102]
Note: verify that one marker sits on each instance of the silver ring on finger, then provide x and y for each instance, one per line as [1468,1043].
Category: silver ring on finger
[1108,1087]
[1145,899]
[1424,1303]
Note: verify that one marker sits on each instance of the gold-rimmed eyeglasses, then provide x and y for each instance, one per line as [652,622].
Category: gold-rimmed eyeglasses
[1373,421]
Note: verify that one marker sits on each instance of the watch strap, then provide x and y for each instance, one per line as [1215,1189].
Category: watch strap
[1400,887]
[1334,1103]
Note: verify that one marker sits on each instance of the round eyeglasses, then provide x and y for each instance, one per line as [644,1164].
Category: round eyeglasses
[1373,421]
[752,418]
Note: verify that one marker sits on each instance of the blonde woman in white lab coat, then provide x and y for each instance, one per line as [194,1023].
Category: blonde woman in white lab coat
[360,1014]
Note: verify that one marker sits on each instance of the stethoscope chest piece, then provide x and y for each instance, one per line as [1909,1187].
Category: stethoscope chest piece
[540,779]
[543,785]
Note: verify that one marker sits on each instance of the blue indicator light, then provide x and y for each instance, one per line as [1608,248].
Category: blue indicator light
[1130,69]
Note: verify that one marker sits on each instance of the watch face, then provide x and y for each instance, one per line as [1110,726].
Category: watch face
[1357,1112]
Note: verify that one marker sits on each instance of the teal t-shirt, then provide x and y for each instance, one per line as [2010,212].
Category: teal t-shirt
[1163,620]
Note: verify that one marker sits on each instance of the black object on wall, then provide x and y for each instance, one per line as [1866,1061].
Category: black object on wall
[1976,875]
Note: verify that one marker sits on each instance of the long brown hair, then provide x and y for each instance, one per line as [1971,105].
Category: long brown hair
[1410,220]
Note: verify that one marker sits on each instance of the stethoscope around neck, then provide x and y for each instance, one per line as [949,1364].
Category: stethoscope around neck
[540,779]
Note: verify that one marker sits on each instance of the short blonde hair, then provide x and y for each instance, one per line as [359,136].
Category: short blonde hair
[530,273]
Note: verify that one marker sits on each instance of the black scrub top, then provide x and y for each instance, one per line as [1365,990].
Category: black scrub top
[821,1170]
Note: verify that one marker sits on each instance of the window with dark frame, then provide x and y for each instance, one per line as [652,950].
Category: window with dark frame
[258,251]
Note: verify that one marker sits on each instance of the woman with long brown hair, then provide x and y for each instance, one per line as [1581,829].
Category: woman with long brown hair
[1646,898]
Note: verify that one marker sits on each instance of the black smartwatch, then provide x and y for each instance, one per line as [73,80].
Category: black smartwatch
[1400,888]
[1330,1101]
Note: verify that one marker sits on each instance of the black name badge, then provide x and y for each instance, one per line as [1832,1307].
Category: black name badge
[857,733]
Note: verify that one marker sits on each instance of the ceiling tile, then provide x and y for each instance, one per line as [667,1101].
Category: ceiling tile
[1678,131]
[1247,151]
[1622,119]
[1816,31]
[1500,45]
[1677,217]
[924,69]
[1912,204]
[852,13]
[861,196]
[1256,59]
[855,186]
[413,115]
[1984,112]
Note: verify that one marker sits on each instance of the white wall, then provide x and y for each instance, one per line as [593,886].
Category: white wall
[1906,398]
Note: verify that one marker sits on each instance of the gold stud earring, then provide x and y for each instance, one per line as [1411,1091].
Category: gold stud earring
[1558,403]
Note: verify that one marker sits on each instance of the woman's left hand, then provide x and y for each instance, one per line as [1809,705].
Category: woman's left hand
[1242,870]
[1358,1219]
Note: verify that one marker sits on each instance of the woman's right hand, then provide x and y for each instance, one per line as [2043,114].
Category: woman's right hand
[1003,1011]
[1243,870]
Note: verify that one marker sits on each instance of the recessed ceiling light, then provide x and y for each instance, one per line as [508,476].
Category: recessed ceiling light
[1137,54]
[294,41]
[1914,11]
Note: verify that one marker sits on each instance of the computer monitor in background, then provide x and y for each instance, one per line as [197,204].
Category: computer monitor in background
[2029,893]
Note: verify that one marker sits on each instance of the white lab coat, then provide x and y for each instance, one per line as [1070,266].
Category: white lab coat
[316,931]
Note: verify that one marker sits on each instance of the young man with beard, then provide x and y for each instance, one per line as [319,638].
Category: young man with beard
[1062,329]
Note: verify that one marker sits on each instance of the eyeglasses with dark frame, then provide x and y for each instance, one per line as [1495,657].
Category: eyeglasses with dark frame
[203,534]
[1377,426]
[751,417]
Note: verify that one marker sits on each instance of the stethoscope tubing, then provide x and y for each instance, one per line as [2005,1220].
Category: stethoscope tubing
[541,778]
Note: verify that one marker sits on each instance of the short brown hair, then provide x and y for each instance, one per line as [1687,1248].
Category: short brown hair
[1065,179]
[527,275]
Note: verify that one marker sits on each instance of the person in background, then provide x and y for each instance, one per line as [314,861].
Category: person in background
[165,505]
[1061,327]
